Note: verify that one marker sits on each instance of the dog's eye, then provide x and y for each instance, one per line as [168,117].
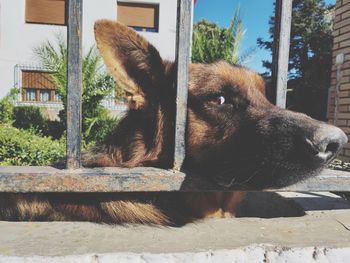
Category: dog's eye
[218,100]
[221,100]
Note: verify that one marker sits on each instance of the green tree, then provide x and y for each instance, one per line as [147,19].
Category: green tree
[211,42]
[96,85]
[310,59]
[7,105]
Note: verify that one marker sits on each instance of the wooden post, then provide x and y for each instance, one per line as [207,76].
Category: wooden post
[280,60]
[183,47]
[74,83]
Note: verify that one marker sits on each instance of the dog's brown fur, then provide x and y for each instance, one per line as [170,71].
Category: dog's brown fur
[145,138]
[119,208]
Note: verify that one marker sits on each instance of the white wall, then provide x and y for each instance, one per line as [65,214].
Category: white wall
[165,39]
[17,39]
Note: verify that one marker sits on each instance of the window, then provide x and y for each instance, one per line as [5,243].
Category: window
[38,86]
[29,95]
[141,17]
[45,12]
[56,97]
[44,95]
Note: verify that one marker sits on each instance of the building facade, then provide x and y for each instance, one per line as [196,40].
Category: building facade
[339,99]
[25,24]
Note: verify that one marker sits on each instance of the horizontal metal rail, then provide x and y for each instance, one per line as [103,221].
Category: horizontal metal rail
[112,179]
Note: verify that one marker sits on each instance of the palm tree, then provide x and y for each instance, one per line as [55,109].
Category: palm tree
[96,85]
[211,43]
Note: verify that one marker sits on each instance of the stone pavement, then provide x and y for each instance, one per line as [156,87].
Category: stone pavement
[322,235]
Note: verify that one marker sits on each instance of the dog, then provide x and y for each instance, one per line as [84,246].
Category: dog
[234,137]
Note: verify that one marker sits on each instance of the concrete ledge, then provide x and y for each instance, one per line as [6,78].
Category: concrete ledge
[320,235]
[253,253]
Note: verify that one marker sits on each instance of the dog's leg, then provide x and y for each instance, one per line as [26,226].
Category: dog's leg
[213,204]
[231,201]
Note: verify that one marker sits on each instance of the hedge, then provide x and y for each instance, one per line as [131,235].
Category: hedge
[24,147]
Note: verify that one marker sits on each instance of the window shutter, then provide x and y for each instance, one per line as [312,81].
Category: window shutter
[138,15]
[45,12]
[37,80]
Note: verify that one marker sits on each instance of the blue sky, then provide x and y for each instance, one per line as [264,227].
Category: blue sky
[255,15]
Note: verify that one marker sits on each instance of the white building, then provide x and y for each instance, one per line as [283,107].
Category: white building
[25,24]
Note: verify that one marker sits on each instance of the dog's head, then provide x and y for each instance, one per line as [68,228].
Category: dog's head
[234,135]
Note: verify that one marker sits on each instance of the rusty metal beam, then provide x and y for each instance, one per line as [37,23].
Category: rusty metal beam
[48,179]
[113,179]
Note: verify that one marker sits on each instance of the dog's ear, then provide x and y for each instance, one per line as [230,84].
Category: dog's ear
[134,63]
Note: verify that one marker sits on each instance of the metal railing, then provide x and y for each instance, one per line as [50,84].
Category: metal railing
[77,179]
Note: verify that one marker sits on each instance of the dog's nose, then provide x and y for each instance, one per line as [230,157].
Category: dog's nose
[326,143]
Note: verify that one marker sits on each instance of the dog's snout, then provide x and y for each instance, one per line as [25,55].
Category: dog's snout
[325,143]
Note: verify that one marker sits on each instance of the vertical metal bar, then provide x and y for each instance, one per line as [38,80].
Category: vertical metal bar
[74,83]
[183,47]
[339,64]
[283,22]
[191,33]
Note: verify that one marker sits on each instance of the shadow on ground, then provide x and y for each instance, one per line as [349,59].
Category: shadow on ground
[268,205]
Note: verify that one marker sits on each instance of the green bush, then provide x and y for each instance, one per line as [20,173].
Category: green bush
[31,118]
[28,117]
[96,123]
[24,147]
[6,106]
[54,128]
[95,129]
